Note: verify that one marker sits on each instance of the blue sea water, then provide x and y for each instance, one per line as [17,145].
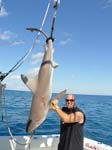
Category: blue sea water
[98,110]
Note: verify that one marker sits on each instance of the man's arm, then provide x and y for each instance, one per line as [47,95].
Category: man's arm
[67,118]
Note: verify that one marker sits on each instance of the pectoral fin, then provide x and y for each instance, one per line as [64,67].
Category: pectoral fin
[55,65]
[31,83]
[59,96]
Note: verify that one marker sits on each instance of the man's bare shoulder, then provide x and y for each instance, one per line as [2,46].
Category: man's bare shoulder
[79,116]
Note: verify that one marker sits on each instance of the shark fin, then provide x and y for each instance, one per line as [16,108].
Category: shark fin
[29,82]
[60,95]
[55,65]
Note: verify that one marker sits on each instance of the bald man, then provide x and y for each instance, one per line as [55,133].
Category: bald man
[72,121]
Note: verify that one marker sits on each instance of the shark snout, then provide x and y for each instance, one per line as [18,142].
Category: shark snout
[31,126]
[28,124]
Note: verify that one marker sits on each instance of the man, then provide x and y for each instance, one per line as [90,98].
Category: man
[72,121]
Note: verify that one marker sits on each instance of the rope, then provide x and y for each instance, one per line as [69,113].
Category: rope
[9,130]
[2,87]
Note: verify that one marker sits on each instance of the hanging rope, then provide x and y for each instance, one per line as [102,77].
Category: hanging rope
[2,87]
[7,124]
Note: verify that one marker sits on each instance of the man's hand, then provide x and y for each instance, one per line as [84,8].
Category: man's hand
[54,104]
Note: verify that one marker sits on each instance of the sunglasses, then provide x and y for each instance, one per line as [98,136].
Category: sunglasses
[71,100]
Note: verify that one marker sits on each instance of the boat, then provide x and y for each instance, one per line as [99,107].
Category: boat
[44,142]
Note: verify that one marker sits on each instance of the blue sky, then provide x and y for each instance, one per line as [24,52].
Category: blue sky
[83,45]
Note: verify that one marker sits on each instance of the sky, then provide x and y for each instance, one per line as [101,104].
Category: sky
[83,43]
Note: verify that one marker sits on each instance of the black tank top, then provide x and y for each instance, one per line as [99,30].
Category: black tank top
[71,134]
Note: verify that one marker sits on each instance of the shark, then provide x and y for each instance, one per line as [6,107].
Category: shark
[41,88]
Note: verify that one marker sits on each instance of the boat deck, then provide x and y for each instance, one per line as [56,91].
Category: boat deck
[44,142]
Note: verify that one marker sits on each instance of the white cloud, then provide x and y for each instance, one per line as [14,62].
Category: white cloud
[14,82]
[37,41]
[67,38]
[3,12]
[66,34]
[107,3]
[6,35]
[64,42]
[37,57]
[8,38]
[19,42]
[33,71]
[15,77]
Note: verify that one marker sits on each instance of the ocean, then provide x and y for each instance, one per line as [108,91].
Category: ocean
[98,111]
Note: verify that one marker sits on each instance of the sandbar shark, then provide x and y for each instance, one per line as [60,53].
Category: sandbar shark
[41,87]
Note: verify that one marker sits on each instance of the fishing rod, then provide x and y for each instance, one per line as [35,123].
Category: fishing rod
[55,6]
